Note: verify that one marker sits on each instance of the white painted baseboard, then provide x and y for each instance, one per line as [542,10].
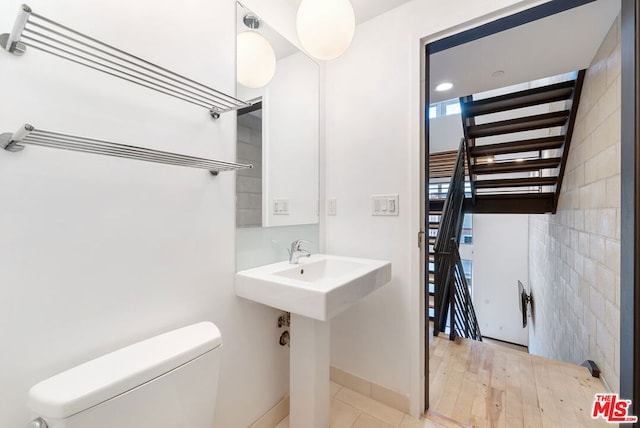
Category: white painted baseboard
[379,393]
[369,389]
[273,417]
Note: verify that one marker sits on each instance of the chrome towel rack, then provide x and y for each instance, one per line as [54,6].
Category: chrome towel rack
[41,33]
[29,135]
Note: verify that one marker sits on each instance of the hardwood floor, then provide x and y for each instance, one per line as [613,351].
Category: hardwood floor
[484,385]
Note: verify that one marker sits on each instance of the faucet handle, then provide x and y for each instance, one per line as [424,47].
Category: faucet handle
[296,246]
[298,243]
[297,251]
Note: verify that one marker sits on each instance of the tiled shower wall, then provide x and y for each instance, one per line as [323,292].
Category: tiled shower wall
[249,181]
[574,256]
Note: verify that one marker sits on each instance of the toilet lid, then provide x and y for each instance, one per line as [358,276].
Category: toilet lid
[108,376]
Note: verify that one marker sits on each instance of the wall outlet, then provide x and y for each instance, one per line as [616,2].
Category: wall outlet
[281,207]
[332,206]
[385,205]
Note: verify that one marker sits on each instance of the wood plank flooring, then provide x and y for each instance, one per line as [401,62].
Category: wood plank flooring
[484,385]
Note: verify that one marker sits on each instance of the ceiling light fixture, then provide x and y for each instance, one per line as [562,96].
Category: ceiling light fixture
[444,86]
[256,60]
[325,27]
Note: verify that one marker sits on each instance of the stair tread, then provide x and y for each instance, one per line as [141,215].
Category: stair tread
[526,123]
[515,182]
[538,195]
[528,97]
[515,166]
[514,203]
[530,145]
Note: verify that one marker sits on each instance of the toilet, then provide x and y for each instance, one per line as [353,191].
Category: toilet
[167,381]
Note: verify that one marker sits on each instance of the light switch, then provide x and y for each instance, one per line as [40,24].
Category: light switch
[384,205]
[332,206]
[281,206]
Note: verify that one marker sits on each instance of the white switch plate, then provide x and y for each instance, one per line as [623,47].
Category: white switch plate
[281,207]
[332,206]
[385,205]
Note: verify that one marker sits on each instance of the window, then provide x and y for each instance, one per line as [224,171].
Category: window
[466,237]
[444,108]
[452,108]
[438,190]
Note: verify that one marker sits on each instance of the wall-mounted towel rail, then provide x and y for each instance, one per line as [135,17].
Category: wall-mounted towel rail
[37,32]
[27,134]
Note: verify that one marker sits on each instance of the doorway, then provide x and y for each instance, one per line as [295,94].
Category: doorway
[629,205]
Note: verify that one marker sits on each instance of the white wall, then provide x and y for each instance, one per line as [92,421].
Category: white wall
[500,260]
[445,133]
[97,253]
[291,115]
[372,146]
[259,246]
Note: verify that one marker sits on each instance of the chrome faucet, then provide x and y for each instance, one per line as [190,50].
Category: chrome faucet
[297,251]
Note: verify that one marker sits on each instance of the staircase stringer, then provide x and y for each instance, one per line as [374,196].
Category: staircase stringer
[568,134]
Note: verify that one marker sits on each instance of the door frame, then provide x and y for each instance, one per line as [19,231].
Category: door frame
[630,171]
[630,207]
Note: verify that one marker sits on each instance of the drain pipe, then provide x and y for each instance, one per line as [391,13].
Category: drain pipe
[285,339]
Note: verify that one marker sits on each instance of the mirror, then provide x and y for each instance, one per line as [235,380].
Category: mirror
[277,200]
[279,135]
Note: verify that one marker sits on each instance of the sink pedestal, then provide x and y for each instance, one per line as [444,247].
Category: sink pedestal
[314,291]
[309,373]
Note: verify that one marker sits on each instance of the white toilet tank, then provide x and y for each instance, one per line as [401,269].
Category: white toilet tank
[168,381]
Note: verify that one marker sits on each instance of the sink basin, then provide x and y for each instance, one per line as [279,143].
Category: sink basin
[318,287]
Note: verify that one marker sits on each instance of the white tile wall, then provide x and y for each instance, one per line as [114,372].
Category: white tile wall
[249,181]
[575,255]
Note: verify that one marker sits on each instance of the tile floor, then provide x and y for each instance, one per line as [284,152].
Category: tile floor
[350,409]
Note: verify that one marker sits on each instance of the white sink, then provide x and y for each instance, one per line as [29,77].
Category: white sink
[318,287]
[314,290]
